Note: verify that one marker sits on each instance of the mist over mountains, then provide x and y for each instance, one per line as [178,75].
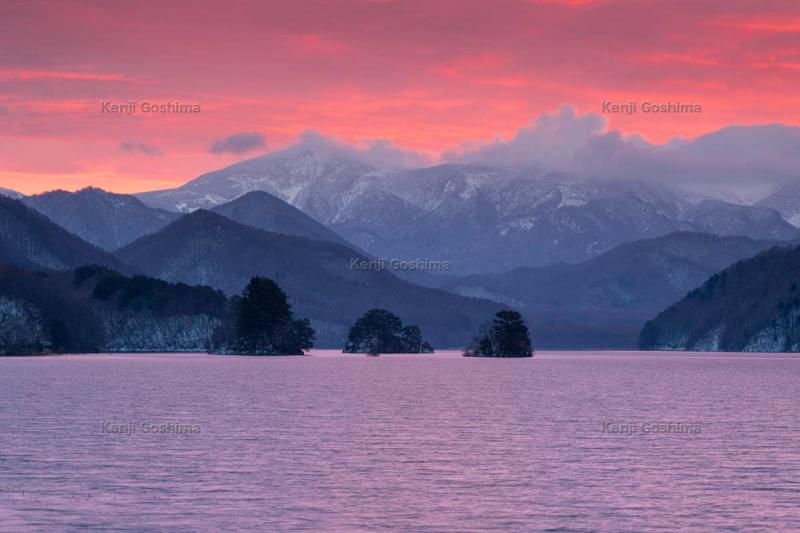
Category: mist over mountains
[736,163]
[481,217]
[786,200]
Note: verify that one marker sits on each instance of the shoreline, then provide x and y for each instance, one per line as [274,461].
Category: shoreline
[445,353]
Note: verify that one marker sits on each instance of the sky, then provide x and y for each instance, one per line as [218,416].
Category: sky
[417,80]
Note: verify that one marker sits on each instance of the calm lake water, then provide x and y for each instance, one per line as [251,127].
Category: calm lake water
[332,442]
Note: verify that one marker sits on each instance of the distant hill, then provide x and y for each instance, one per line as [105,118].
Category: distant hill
[11,194]
[30,240]
[265,211]
[104,219]
[604,301]
[786,200]
[751,306]
[96,309]
[756,222]
[205,248]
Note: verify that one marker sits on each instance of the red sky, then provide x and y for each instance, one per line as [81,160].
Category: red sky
[428,75]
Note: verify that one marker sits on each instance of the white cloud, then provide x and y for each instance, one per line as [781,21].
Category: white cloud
[380,153]
[751,160]
[735,158]
[551,139]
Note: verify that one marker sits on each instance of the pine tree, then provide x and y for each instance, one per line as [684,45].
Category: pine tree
[506,336]
[263,308]
[380,331]
[266,323]
[512,335]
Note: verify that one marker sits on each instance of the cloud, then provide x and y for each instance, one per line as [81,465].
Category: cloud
[62,75]
[133,145]
[384,153]
[238,143]
[380,153]
[746,160]
[551,139]
[569,3]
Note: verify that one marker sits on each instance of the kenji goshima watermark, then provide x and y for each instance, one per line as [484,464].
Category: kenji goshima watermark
[148,428]
[132,107]
[419,265]
[654,108]
[651,428]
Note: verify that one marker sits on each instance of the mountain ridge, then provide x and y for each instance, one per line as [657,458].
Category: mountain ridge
[478,217]
[751,306]
[107,220]
[29,239]
[265,211]
[205,248]
[612,295]
[11,193]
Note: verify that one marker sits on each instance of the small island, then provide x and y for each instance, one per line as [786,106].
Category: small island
[505,336]
[265,324]
[380,331]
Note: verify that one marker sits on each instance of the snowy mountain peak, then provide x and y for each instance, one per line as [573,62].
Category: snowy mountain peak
[10,194]
[287,174]
[477,216]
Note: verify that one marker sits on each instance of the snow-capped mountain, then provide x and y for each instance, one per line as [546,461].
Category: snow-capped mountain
[10,194]
[480,218]
[756,222]
[298,175]
[786,201]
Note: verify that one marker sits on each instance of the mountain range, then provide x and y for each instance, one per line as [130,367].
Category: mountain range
[111,221]
[104,219]
[599,302]
[586,260]
[478,217]
[604,301]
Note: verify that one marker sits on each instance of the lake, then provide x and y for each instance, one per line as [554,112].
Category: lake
[606,441]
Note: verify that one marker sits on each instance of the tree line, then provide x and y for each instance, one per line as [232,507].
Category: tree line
[69,311]
[266,325]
